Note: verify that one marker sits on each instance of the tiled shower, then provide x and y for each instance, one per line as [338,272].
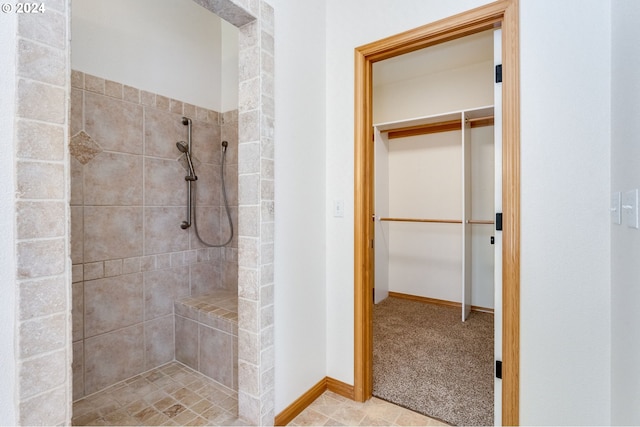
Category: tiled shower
[42,244]
[131,259]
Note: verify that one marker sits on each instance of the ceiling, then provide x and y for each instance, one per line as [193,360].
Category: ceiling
[445,56]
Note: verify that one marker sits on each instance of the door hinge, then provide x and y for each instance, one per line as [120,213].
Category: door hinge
[499,73]
[371,243]
[499,221]
[499,369]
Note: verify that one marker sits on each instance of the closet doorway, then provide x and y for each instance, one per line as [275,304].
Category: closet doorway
[496,15]
[433,112]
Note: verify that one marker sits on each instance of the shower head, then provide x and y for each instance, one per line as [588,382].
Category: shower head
[182,146]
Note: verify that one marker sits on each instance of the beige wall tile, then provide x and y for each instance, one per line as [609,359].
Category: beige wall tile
[186,336]
[229,275]
[113,179]
[38,180]
[42,63]
[113,267]
[48,28]
[93,270]
[159,341]
[112,303]
[94,84]
[77,185]
[147,98]
[77,369]
[162,232]
[131,265]
[131,94]
[209,227]
[208,190]
[40,219]
[164,183]
[249,122]
[162,288]
[77,311]
[40,141]
[76,112]
[175,106]
[77,79]
[115,125]
[216,355]
[206,142]
[162,102]
[77,234]
[113,89]
[249,318]
[43,334]
[162,130]
[49,408]
[205,277]
[42,297]
[39,374]
[113,357]
[77,273]
[112,232]
[41,101]
[41,258]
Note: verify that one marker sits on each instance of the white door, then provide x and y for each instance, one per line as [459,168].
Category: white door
[497,302]
[381,208]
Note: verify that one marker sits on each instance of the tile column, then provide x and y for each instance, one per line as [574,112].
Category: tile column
[256,218]
[43,315]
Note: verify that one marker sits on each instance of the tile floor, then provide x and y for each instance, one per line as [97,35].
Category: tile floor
[331,409]
[171,395]
[176,395]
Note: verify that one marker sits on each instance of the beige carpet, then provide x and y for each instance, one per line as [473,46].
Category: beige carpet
[427,360]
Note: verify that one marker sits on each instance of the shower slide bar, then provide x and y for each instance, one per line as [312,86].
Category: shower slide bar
[185,148]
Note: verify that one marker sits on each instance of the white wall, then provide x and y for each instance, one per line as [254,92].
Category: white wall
[301,213]
[565,254]
[432,94]
[8,397]
[425,181]
[625,242]
[174,48]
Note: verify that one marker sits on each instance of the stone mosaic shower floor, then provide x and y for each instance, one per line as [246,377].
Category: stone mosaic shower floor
[171,395]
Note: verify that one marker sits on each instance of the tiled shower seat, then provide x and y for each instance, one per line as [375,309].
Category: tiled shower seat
[206,335]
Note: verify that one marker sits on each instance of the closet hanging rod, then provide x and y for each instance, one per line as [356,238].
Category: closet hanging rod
[480,221]
[444,221]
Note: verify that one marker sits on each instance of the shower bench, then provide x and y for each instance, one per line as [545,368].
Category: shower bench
[206,335]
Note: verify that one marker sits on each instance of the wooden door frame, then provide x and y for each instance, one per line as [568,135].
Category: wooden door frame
[504,14]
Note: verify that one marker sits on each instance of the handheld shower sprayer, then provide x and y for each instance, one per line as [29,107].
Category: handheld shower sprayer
[184,148]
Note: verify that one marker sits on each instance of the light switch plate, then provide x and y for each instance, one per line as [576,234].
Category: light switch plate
[338,208]
[630,208]
[616,215]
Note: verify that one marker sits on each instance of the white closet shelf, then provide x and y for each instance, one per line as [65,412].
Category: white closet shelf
[441,123]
